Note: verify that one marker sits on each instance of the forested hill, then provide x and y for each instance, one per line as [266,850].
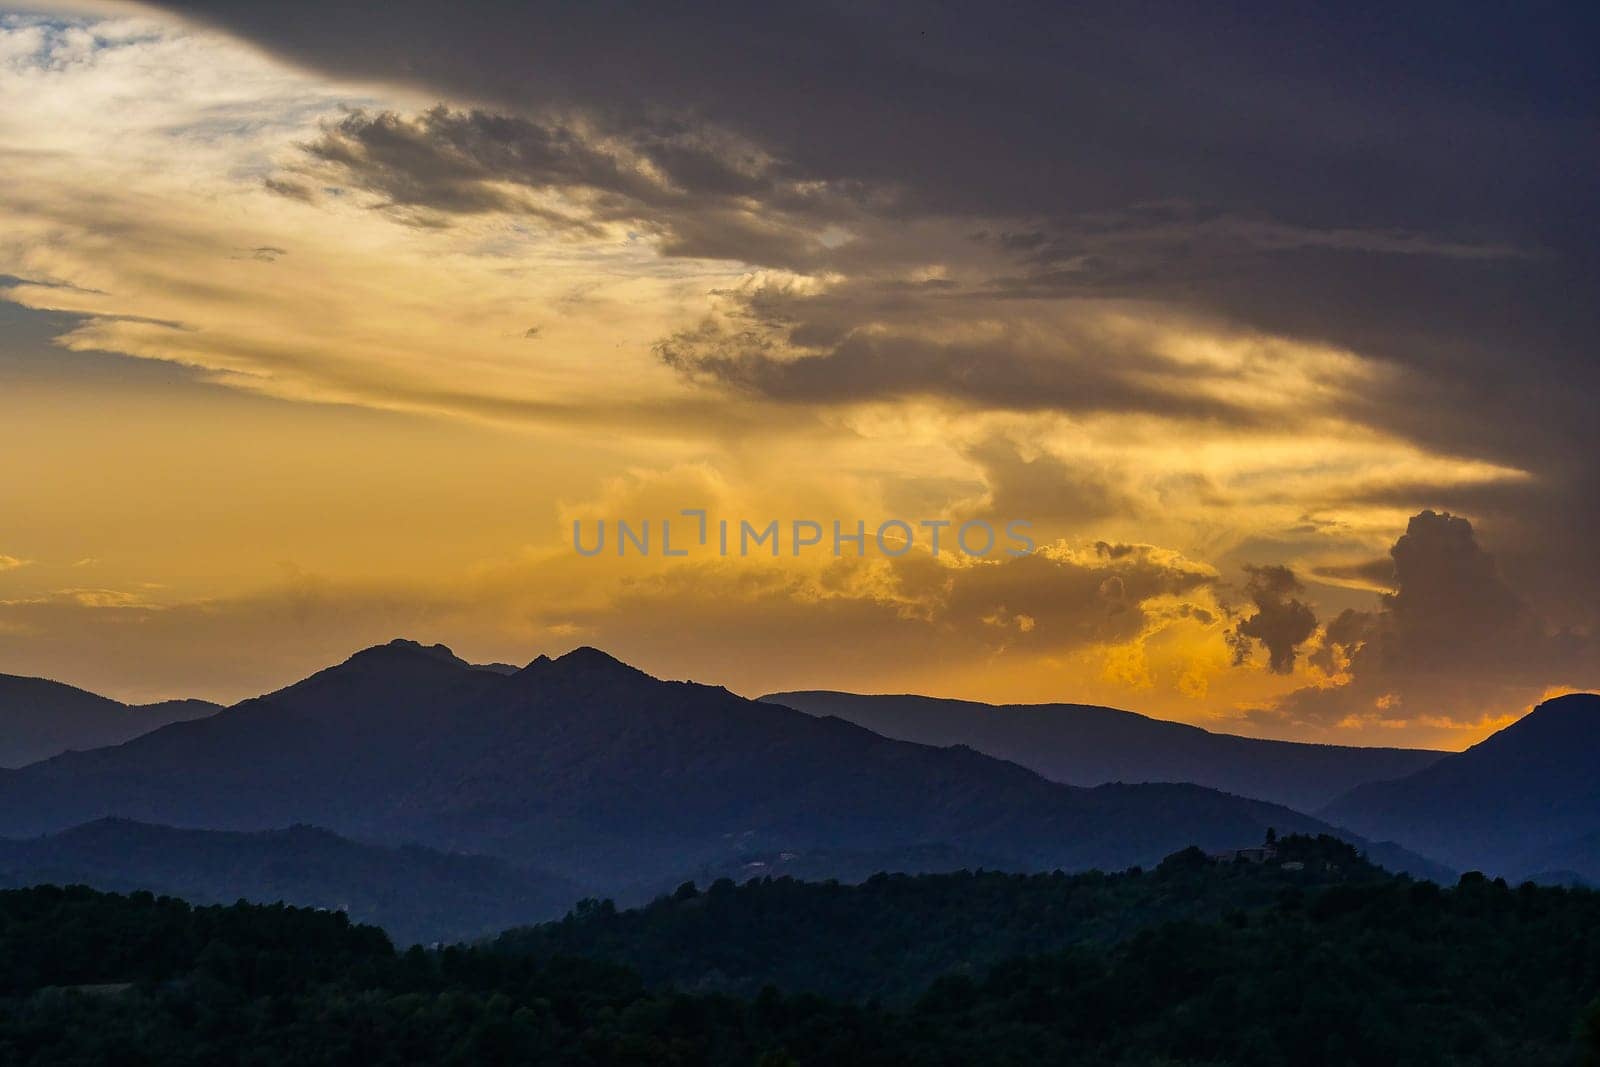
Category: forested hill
[891,935]
[1340,967]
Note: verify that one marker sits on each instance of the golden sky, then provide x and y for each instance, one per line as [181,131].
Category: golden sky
[293,361]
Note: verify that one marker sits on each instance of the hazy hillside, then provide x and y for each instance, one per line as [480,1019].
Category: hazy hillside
[596,771]
[1514,804]
[1083,744]
[416,894]
[41,718]
[1573,862]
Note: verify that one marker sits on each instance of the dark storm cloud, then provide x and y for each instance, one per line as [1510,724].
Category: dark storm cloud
[449,160]
[1412,183]
[1371,572]
[1495,345]
[700,193]
[1282,621]
[1454,637]
[1007,371]
[1451,112]
[1451,607]
[1449,597]
[1172,248]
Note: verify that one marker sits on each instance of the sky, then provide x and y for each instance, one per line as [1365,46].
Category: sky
[1277,327]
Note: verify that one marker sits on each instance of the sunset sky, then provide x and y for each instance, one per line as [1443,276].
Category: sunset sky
[319,328]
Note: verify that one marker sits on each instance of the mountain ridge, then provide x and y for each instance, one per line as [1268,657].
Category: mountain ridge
[40,718]
[1088,744]
[1531,789]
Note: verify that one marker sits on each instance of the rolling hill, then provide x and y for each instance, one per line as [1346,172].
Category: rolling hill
[1087,745]
[588,768]
[40,718]
[1518,803]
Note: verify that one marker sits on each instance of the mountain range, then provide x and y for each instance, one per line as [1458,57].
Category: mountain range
[598,773]
[40,718]
[527,787]
[1524,803]
[1087,745]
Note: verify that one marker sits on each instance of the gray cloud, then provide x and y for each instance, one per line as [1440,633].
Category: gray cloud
[917,613]
[700,191]
[1317,174]
[1044,487]
[1398,294]
[1434,213]
[1454,640]
[1282,621]
[1450,601]
[1378,571]
[861,344]
[1037,105]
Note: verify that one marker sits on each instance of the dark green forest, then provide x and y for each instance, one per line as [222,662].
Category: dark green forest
[1326,962]
[890,936]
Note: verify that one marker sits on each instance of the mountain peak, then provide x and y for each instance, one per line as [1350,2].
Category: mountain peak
[405,644]
[1570,704]
[588,653]
[399,664]
[583,664]
[590,660]
[404,649]
[1573,716]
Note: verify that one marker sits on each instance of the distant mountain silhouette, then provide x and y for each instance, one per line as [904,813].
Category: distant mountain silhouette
[594,770]
[1083,744]
[1572,862]
[417,894]
[1525,800]
[41,718]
